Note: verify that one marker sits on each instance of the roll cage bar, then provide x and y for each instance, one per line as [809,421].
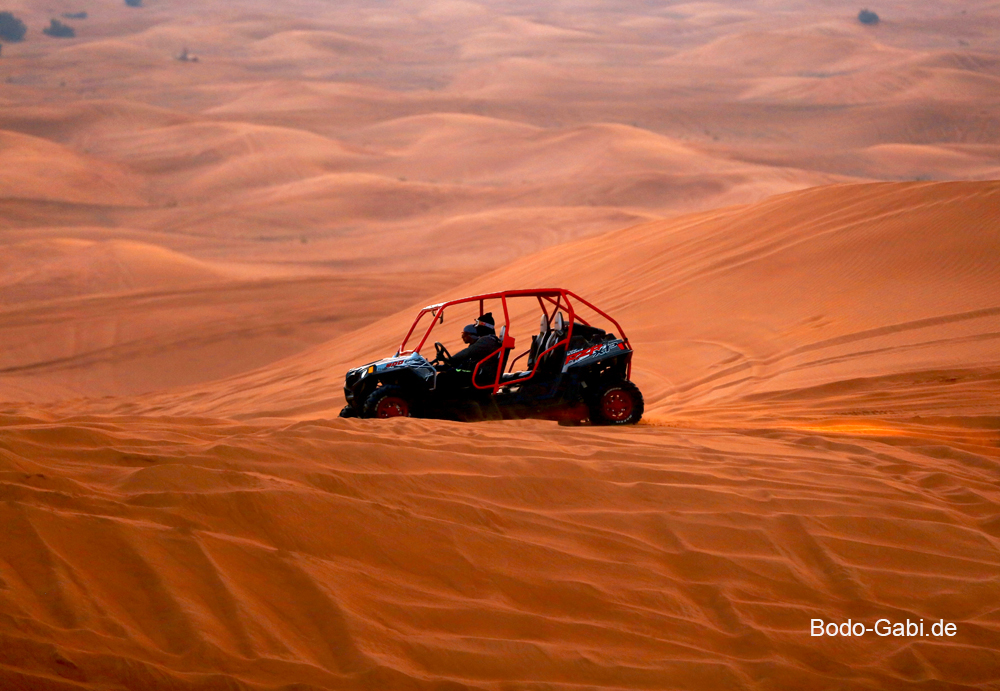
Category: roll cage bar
[557,298]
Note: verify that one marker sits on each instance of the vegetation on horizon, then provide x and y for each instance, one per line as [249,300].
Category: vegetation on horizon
[133,3]
[57,29]
[11,28]
[866,16]
[74,15]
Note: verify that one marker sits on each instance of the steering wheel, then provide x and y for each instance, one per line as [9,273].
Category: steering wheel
[441,353]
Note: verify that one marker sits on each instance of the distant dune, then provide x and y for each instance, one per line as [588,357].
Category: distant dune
[60,268]
[35,169]
[791,52]
[299,45]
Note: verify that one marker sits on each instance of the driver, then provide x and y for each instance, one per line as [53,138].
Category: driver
[480,342]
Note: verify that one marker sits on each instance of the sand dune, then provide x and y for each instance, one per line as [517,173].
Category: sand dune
[309,45]
[892,84]
[311,186]
[79,122]
[515,36]
[869,269]
[322,554]
[821,443]
[912,161]
[545,155]
[210,159]
[65,267]
[111,52]
[790,52]
[305,97]
[183,332]
[192,253]
[838,285]
[36,169]
[983,63]
[575,166]
[468,238]
[400,171]
[429,131]
[513,78]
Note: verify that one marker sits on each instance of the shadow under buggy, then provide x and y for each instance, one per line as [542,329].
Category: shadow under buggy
[573,370]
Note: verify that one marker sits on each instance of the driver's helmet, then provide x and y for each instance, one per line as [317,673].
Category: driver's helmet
[485,325]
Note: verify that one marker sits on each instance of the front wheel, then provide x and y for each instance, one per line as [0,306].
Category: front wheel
[617,403]
[388,401]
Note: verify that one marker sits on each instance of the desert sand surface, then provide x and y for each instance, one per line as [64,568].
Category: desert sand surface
[192,553]
[794,216]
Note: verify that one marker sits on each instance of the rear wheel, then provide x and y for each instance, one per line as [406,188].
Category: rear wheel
[388,401]
[617,403]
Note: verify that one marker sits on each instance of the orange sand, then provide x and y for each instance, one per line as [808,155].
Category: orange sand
[795,217]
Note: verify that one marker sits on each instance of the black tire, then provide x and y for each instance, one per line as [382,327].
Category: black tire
[348,411]
[388,401]
[617,402]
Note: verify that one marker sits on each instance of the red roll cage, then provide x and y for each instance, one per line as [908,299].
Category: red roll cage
[558,298]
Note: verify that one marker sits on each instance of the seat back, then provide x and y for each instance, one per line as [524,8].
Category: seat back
[538,342]
[508,345]
[553,360]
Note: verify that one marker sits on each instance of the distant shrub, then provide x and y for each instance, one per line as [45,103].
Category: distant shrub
[74,15]
[133,3]
[59,30]
[866,16]
[11,28]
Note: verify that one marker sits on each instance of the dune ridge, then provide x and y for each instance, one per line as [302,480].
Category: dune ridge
[36,169]
[63,267]
[882,276]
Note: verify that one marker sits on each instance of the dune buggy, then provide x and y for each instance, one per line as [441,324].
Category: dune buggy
[573,371]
